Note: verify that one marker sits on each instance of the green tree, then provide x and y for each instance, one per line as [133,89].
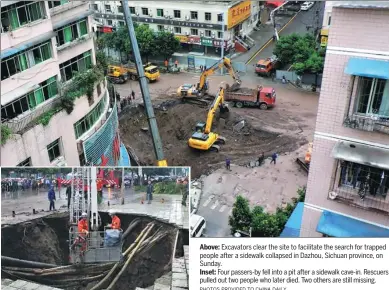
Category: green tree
[166,43]
[265,225]
[241,215]
[146,41]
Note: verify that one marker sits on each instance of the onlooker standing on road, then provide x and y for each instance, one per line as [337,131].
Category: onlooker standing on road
[69,195]
[228,164]
[149,194]
[176,63]
[274,158]
[51,196]
[133,95]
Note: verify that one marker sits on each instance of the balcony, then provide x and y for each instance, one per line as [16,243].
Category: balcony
[367,123]
[75,42]
[361,186]
[67,6]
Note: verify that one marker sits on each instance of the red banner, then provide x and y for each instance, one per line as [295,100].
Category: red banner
[194,40]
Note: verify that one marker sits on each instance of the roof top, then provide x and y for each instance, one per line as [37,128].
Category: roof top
[362,4]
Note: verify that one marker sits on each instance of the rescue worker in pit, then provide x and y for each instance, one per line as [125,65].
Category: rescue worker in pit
[115,224]
[83,231]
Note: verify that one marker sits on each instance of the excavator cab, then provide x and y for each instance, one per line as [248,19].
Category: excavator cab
[95,246]
[200,127]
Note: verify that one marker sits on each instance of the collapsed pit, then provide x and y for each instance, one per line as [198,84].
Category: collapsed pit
[176,123]
[45,240]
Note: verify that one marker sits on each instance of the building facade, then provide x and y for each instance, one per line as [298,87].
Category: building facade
[43,45]
[199,25]
[348,183]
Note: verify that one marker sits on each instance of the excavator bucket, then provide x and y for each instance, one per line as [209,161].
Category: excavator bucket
[234,87]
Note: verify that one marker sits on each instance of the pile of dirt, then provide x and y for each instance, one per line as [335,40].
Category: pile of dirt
[176,125]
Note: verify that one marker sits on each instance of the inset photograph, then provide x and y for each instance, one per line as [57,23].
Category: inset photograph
[95,228]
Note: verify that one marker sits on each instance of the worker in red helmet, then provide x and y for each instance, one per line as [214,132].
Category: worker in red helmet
[83,231]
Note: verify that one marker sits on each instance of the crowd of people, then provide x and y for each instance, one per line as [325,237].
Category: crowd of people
[24,184]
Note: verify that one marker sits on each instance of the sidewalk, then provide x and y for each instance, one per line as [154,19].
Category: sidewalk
[171,211]
[262,38]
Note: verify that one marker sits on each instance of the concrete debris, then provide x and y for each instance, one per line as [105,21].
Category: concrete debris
[239,126]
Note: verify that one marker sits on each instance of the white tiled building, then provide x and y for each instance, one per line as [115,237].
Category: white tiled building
[43,44]
[198,24]
[348,183]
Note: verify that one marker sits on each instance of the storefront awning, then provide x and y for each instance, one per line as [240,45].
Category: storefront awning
[368,68]
[362,154]
[293,225]
[73,19]
[25,45]
[340,226]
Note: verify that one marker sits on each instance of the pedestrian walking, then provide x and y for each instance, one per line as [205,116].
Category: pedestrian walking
[133,95]
[149,194]
[69,195]
[201,68]
[261,159]
[274,158]
[51,197]
[228,164]
[283,80]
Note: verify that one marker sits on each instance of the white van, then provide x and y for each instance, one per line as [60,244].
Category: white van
[306,6]
[197,225]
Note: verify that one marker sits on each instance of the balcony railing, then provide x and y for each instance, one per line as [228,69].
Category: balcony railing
[26,121]
[67,6]
[75,42]
[361,187]
[367,123]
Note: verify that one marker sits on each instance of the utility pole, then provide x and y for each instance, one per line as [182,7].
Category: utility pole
[273,20]
[157,143]
[222,46]
[122,186]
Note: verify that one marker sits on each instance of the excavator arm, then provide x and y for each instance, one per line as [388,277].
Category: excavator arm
[219,101]
[226,62]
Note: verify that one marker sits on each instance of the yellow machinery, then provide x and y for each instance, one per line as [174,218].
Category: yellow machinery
[117,74]
[199,90]
[203,138]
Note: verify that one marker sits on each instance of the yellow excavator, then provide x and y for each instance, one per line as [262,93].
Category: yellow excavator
[195,93]
[203,139]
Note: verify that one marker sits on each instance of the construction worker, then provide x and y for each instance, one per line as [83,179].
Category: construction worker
[115,224]
[83,231]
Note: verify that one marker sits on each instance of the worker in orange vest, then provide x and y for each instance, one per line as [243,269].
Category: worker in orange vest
[83,231]
[115,224]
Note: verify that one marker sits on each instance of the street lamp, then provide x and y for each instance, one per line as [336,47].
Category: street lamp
[222,45]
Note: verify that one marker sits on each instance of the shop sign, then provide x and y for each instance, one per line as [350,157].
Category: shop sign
[238,13]
[206,41]
[218,43]
[182,38]
[194,40]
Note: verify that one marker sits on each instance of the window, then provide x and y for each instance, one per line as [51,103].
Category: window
[208,16]
[88,121]
[329,20]
[208,33]
[194,31]
[122,23]
[373,97]
[79,63]
[24,60]
[120,9]
[53,4]
[220,18]
[145,11]
[45,91]
[161,28]
[220,34]
[71,32]
[365,180]
[22,13]
[177,14]
[177,30]
[109,22]
[107,8]
[95,7]
[53,149]
[160,12]
[25,163]
[132,10]
[193,15]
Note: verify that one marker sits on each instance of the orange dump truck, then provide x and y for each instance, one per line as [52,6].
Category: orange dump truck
[267,66]
[244,97]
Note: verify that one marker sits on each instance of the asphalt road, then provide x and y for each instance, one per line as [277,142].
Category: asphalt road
[216,215]
[298,25]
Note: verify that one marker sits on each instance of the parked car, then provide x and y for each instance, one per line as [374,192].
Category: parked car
[307,5]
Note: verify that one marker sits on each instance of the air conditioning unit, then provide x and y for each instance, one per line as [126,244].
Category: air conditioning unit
[171,29]
[166,16]
[202,33]
[186,17]
[170,17]
[137,13]
[213,35]
[166,27]
[332,195]
[150,15]
[187,33]
[59,162]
